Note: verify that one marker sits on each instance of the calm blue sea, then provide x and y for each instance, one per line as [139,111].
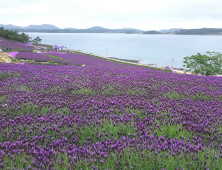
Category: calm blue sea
[151,49]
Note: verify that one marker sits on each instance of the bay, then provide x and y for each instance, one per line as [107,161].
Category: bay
[151,49]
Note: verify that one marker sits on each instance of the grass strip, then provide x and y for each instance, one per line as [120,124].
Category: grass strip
[52,56]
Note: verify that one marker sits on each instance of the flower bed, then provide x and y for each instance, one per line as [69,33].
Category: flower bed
[66,117]
[41,57]
[14,45]
[91,61]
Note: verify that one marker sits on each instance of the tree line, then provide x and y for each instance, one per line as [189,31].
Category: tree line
[14,35]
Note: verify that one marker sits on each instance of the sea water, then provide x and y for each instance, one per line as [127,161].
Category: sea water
[167,49]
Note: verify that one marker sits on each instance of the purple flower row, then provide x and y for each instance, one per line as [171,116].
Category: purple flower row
[40,57]
[93,113]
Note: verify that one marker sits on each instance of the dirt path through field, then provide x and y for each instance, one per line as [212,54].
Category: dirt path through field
[4,57]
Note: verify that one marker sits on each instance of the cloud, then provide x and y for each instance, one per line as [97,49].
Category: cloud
[141,14]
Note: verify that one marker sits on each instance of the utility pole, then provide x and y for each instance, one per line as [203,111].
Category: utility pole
[172,63]
[106,53]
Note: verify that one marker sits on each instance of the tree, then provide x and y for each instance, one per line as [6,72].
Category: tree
[13,35]
[25,37]
[36,40]
[207,64]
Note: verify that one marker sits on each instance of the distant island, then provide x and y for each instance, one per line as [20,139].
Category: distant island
[47,28]
[202,31]
[171,30]
[152,32]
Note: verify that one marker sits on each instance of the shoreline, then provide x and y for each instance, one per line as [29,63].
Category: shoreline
[128,61]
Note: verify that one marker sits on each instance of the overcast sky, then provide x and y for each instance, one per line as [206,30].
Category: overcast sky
[140,14]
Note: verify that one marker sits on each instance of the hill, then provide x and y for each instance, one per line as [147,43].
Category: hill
[10,26]
[170,30]
[202,31]
[47,28]
[30,27]
[152,32]
[41,27]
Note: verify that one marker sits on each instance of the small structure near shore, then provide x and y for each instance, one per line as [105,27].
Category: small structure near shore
[29,43]
[62,47]
[56,47]
[169,68]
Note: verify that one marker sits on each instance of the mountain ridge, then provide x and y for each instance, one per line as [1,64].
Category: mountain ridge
[54,29]
[48,28]
[37,27]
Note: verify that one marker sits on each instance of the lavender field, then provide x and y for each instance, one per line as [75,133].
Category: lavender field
[42,57]
[14,45]
[101,117]
[77,60]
